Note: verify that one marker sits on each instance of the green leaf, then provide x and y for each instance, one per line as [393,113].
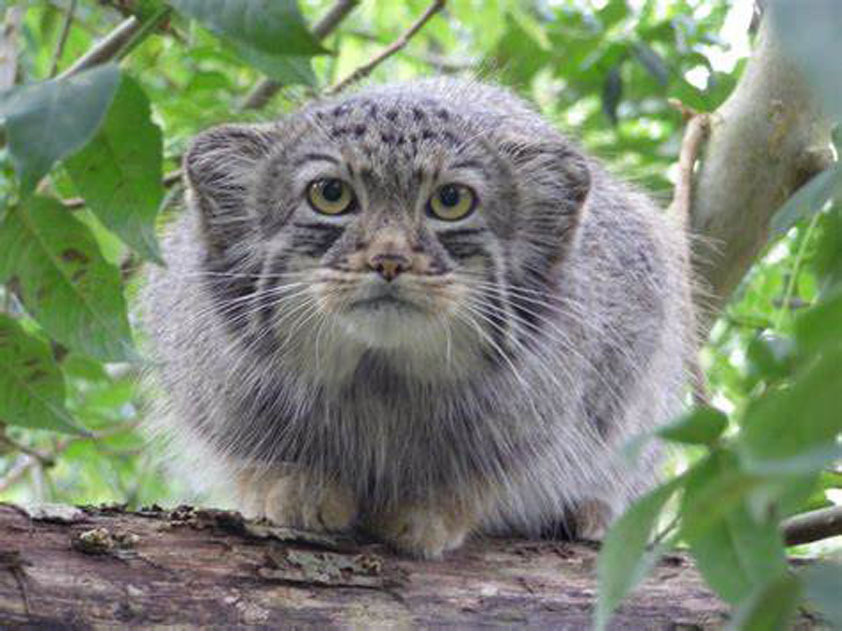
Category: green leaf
[770,608]
[119,172]
[801,419]
[64,282]
[48,121]
[807,200]
[288,69]
[734,551]
[275,27]
[702,426]
[624,559]
[31,385]
[822,586]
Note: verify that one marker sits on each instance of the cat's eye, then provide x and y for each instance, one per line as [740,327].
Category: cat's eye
[330,196]
[452,202]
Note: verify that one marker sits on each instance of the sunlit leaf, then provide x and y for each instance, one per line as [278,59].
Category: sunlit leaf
[770,608]
[734,551]
[624,559]
[702,426]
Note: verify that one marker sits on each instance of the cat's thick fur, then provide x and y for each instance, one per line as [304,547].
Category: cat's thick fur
[489,387]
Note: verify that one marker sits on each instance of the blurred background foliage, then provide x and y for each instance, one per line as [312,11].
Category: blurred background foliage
[604,70]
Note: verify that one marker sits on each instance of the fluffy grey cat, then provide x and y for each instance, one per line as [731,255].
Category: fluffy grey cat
[421,311]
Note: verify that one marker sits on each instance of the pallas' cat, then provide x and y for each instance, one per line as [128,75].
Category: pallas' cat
[420,311]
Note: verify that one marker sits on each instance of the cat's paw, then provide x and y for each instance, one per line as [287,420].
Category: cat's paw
[591,519]
[297,501]
[422,531]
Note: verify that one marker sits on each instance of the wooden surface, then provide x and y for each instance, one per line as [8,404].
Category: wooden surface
[98,569]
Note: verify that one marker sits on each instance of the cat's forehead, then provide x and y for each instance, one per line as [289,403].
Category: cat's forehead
[395,127]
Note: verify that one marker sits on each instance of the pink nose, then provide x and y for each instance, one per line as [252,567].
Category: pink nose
[389,266]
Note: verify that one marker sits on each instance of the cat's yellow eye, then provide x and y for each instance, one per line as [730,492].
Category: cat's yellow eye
[452,202]
[330,196]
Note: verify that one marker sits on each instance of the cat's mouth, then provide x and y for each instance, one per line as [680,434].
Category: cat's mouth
[388,300]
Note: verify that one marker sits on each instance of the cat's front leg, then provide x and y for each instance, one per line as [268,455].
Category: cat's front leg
[426,529]
[292,497]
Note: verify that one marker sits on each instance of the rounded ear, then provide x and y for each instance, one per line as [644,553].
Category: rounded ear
[220,167]
[554,171]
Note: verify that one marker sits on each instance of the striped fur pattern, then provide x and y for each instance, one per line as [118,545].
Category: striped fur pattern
[488,388]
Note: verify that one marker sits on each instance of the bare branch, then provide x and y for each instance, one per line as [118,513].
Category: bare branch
[765,141]
[813,526]
[62,40]
[366,69]
[107,48]
[266,89]
[694,136]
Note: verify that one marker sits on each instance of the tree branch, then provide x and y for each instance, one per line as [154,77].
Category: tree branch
[107,48]
[366,69]
[765,141]
[813,526]
[266,89]
[253,577]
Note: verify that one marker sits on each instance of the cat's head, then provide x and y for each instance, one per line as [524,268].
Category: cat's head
[402,215]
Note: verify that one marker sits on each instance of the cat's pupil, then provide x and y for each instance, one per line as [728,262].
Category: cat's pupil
[449,196]
[332,190]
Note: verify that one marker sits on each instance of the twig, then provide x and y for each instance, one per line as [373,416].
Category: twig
[62,40]
[169,179]
[266,89]
[694,136]
[107,48]
[680,209]
[23,464]
[366,69]
[30,458]
[150,25]
[813,526]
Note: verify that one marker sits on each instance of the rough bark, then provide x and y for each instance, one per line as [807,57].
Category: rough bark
[98,569]
[765,141]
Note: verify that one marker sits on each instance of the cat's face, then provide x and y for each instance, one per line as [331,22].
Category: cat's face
[400,221]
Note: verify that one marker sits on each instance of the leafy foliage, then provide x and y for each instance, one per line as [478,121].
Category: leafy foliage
[82,184]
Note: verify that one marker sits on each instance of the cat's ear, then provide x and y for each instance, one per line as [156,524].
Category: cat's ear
[553,170]
[220,168]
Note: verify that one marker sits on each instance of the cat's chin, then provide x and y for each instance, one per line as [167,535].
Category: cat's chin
[389,323]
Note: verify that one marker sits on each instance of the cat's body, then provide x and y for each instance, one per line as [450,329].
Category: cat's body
[423,377]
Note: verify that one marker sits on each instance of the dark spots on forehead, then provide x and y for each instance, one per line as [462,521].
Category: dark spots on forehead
[392,114]
[359,130]
[418,114]
[443,114]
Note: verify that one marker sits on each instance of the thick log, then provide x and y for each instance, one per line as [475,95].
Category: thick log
[106,569]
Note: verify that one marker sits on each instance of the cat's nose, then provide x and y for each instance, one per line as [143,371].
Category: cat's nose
[389,265]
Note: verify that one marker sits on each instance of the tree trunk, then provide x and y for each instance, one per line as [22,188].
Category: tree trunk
[106,569]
